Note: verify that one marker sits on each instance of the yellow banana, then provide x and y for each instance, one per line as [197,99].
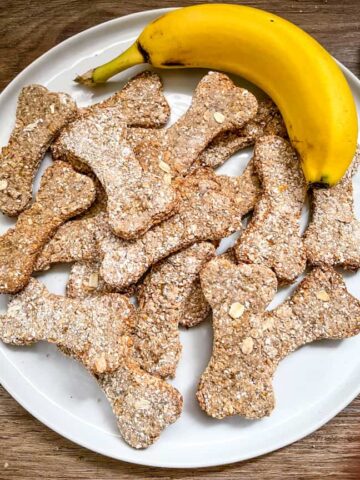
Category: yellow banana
[287,63]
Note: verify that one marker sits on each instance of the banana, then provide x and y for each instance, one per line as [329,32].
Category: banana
[288,64]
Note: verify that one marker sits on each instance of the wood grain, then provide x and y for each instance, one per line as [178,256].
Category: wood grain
[29,450]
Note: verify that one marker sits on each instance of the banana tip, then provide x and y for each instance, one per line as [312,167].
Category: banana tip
[86,78]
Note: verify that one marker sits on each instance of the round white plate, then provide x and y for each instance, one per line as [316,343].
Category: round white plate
[311,385]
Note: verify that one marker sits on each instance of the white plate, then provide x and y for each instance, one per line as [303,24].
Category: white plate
[312,385]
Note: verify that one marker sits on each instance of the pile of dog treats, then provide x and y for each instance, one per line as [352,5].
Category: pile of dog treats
[138,209]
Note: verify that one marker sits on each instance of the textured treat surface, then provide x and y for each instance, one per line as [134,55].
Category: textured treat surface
[136,199]
[333,236]
[144,405]
[272,237]
[217,106]
[85,280]
[95,330]
[63,194]
[141,102]
[267,121]
[163,298]
[40,115]
[210,208]
[249,342]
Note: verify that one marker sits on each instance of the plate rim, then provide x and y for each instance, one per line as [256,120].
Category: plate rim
[5,378]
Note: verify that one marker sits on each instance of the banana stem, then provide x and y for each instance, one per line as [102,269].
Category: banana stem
[132,56]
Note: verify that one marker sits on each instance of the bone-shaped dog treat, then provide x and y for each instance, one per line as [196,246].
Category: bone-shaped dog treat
[249,343]
[235,293]
[97,332]
[40,115]
[272,236]
[94,330]
[141,102]
[144,405]
[63,194]
[163,298]
[217,106]
[75,240]
[267,121]
[136,199]
[210,208]
[333,236]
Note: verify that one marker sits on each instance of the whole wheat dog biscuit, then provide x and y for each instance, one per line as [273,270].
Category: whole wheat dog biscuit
[210,208]
[144,405]
[267,121]
[234,292]
[249,343]
[163,298]
[217,106]
[94,330]
[75,240]
[136,199]
[63,194]
[141,102]
[333,235]
[272,236]
[40,115]
[97,332]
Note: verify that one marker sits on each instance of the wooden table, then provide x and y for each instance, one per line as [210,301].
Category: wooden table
[29,450]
